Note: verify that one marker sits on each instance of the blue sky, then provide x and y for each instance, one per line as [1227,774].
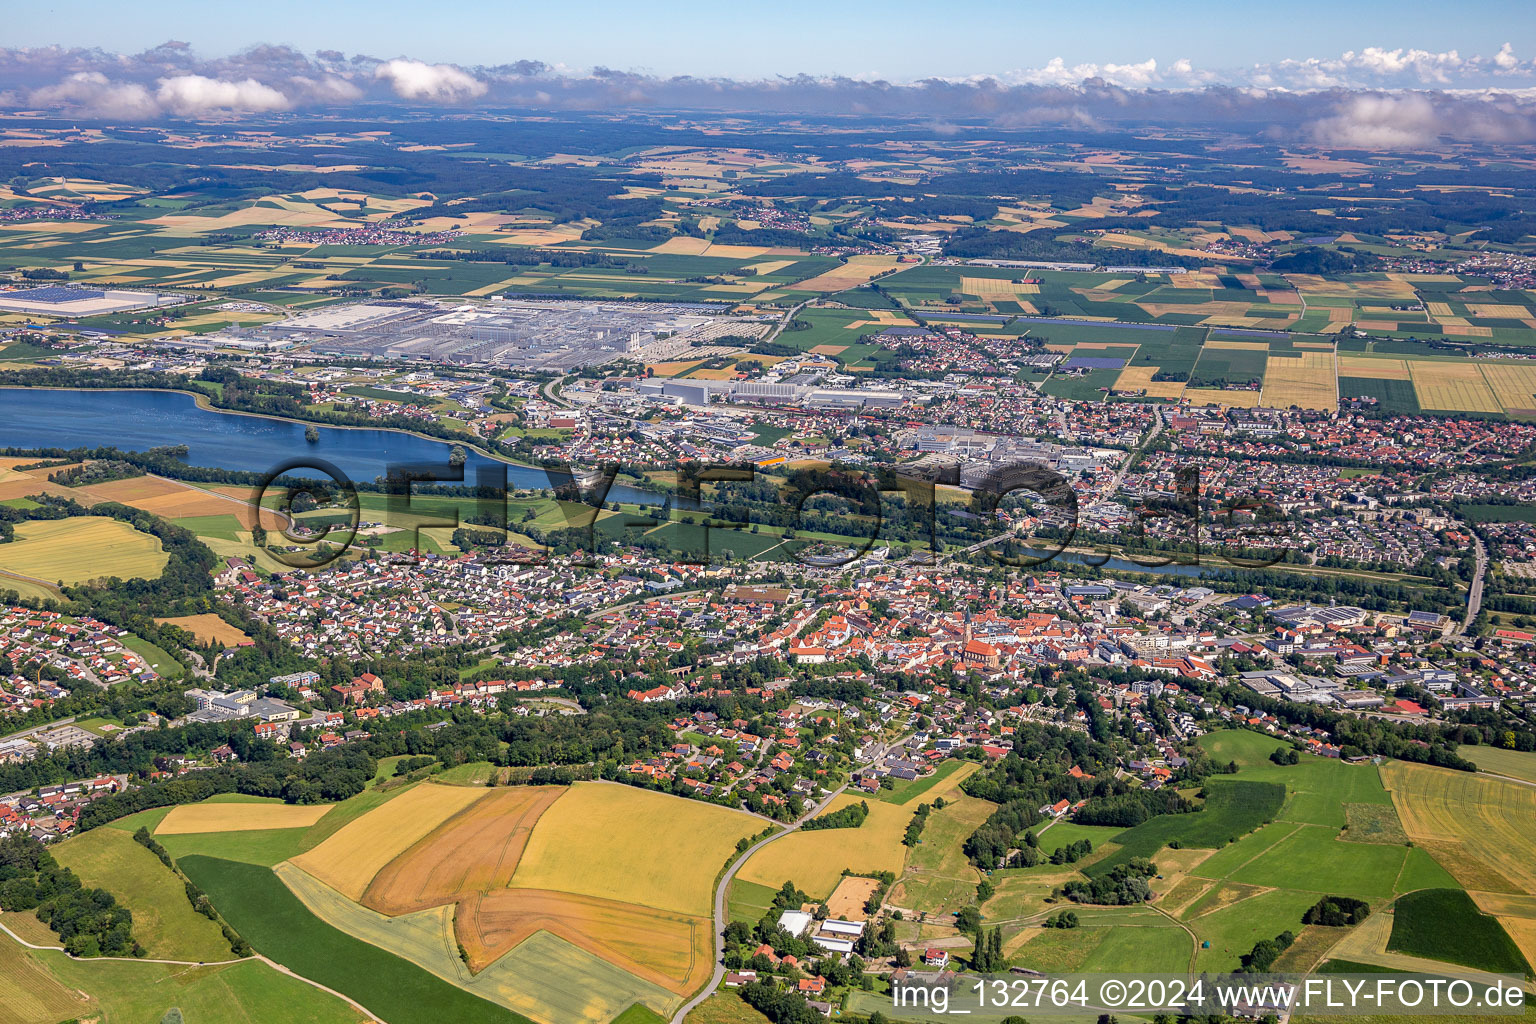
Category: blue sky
[894,39]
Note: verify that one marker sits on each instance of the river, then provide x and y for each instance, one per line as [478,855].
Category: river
[140,420]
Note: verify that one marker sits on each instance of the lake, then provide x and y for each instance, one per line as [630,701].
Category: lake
[140,420]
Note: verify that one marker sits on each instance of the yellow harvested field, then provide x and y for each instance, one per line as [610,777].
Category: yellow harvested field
[771,267]
[848,899]
[209,628]
[674,368]
[996,287]
[187,819]
[632,845]
[1453,387]
[1217,396]
[1438,308]
[82,548]
[1372,368]
[1234,344]
[1198,279]
[855,272]
[1516,913]
[348,860]
[474,851]
[1476,826]
[1426,278]
[1513,384]
[667,949]
[542,236]
[1307,381]
[815,860]
[828,350]
[1139,378]
[1499,311]
[1462,331]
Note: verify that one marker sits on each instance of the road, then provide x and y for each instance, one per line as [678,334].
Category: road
[547,389]
[730,873]
[720,912]
[1475,592]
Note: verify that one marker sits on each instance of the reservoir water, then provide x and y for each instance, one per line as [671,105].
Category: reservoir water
[140,420]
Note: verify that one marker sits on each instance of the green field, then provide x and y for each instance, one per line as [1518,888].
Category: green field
[44,987]
[1053,837]
[1232,809]
[1517,764]
[725,1008]
[163,919]
[748,901]
[909,791]
[1248,748]
[1312,858]
[265,847]
[271,919]
[1444,924]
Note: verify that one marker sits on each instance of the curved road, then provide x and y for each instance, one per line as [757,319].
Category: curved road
[720,890]
[730,873]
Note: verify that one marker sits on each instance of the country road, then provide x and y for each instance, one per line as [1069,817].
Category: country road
[720,891]
[730,873]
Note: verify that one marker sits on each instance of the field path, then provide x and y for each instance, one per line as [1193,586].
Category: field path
[359,1007]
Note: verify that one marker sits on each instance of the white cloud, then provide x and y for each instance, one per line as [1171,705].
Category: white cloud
[1380,122]
[325,89]
[197,94]
[436,83]
[1505,59]
[93,92]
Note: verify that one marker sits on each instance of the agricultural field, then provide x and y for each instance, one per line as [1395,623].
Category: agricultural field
[1472,823]
[815,861]
[1445,924]
[348,860]
[238,816]
[486,843]
[445,878]
[619,830]
[1516,764]
[45,987]
[209,628]
[937,876]
[1233,809]
[269,916]
[725,1008]
[82,548]
[163,919]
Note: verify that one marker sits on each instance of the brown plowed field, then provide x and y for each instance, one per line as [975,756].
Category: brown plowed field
[474,851]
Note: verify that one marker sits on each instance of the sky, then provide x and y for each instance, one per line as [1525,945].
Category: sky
[1338,73]
[895,40]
